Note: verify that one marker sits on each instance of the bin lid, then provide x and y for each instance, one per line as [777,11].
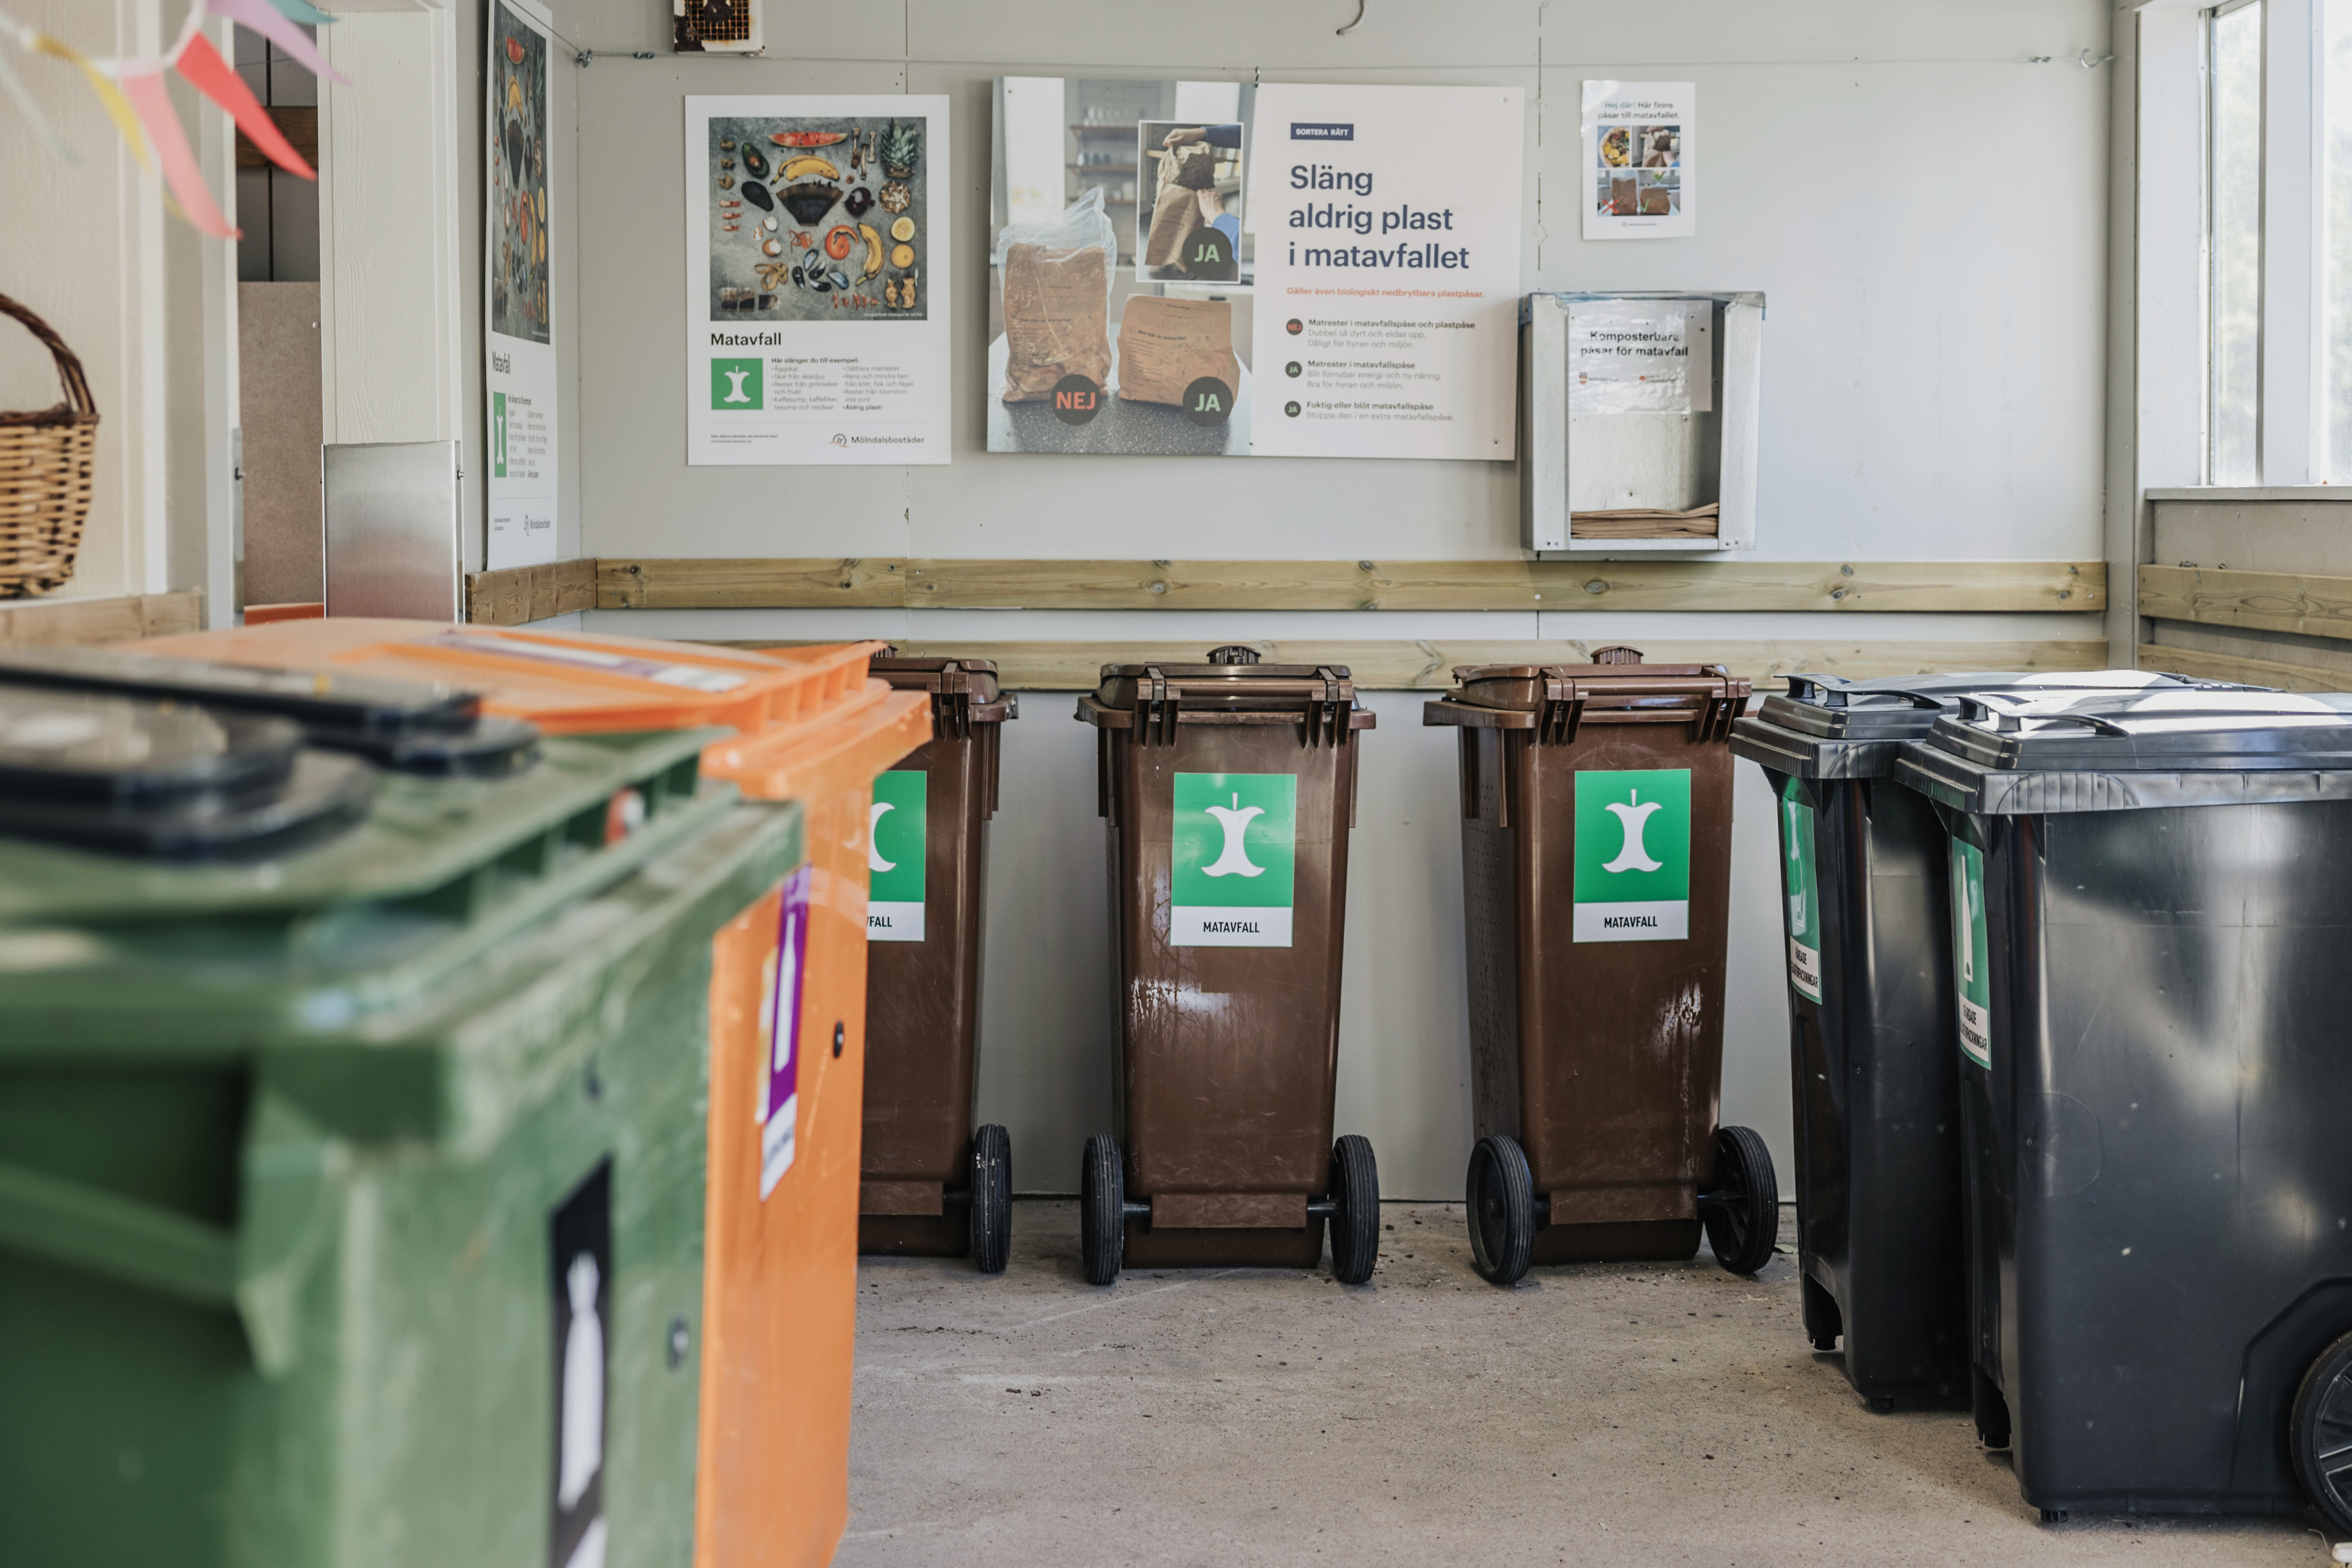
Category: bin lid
[565,682]
[1616,674]
[1556,701]
[1826,726]
[2007,755]
[406,726]
[162,779]
[949,679]
[1230,680]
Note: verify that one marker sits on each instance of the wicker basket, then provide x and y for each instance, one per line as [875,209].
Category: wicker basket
[46,461]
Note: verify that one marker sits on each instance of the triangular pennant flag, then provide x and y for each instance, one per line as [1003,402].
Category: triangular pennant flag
[186,181]
[303,11]
[262,16]
[15,88]
[210,75]
[116,109]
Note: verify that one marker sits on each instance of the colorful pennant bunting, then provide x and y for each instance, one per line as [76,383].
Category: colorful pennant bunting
[265,17]
[205,71]
[180,171]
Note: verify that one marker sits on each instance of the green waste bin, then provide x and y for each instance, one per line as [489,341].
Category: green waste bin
[351,1198]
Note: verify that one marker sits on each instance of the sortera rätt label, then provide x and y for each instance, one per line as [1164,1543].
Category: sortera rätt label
[895,846]
[780,1034]
[1971,982]
[1804,891]
[1632,855]
[1235,860]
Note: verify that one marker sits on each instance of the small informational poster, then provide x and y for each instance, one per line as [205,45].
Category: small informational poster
[896,843]
[779,1033]
[817,279]
[1632,855]
[1634,356]
[1389,224]
[1235,857]
[1972,973]
[1639,168]
[519,342]
[1803,891]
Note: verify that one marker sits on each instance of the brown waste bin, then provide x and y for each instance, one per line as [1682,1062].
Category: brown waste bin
[1229,788]
[1596,869]
[928,1182]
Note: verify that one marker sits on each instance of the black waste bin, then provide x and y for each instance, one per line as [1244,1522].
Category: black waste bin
[2150,899]
[1875,1092]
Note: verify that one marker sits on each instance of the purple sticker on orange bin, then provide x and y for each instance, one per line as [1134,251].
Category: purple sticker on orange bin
[780,1028]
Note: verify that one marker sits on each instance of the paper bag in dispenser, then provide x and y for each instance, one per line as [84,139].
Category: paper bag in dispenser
[1165,345]
[1057,280]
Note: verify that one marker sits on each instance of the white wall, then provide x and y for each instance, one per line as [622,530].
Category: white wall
[1925,211]
[85,250]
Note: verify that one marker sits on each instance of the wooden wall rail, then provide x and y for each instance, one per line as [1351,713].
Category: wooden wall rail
[2202,665]
[1401,664]
[518,593]
[69,623]
[2251,601]
[768,584]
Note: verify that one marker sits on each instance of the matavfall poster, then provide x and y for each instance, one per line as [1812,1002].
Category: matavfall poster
[817,279]
[519,343]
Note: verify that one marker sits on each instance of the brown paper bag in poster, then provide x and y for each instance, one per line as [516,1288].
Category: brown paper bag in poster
[1656,203]
[1165,345]
[1175,214]
[1621,198]
[1056,319]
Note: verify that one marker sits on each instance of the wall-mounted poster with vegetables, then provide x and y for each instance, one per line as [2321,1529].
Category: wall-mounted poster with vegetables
[518,349]
[817,279]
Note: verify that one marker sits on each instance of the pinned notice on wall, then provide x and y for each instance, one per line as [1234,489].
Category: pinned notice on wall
[1640,357]
[1640,162]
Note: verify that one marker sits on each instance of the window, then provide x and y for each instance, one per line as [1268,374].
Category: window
[2233,247]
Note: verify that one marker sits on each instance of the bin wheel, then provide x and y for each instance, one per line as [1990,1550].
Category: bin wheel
[1102,1210]
[1502,1204]
[1356,1218]
[1991,1409]
[1824,1322]
[992,1199]
[1743,1212]
[2054,1516]
[2319,1433]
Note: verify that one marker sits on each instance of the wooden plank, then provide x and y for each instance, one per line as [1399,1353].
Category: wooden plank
[1402,665]
[298,123]
[1976,586]
[1970,585]
[516,595]
[749,584]
[2256,601]
[75,623]
[2271,672]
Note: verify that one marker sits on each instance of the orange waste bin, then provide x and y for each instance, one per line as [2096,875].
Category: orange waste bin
[787,1015]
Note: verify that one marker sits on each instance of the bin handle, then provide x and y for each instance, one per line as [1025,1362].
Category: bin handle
[1831,689]
[257,1270]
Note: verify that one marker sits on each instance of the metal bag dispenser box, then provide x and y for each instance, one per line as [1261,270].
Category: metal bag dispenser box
[1638,422]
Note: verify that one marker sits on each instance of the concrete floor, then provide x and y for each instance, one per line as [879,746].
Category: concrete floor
[1599,1413]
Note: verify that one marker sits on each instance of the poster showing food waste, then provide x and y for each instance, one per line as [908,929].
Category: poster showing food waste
[1122,267]
[1640,171]
[1389,228]
[817,279]
[519,347]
